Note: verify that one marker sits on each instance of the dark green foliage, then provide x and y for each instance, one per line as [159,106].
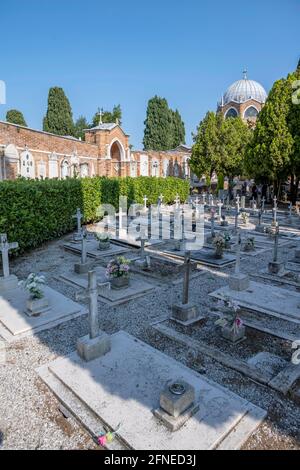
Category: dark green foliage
[80,125]
[15,117]
[108,116]
[164,128]
[33,212]
[178,129]
[59,118]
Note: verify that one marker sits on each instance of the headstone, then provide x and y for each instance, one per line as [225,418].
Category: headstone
[7,281]
[243,202]
[238,281]
[84,266]
[78,216]
[220,205]
[185,313]
[97,343]
[276,267]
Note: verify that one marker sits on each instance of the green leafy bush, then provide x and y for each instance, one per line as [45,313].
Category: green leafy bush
[32,211]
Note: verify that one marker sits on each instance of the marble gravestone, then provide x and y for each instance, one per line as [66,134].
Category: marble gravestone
[238,281]
[7,281]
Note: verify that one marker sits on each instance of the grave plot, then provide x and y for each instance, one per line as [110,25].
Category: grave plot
[257,354]
[16,323]
[205,256]
[93,250]
[267,299]
[120,391]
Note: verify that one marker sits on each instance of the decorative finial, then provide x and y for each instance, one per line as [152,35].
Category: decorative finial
[100,111]
[245,73]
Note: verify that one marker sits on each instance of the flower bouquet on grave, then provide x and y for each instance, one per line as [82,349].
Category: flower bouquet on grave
[104,240]
[219,245]
[117,271]
[36,303]
[249,244]
[231,325]
[245,217]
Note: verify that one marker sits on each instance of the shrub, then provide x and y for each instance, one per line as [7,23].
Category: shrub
[35,211]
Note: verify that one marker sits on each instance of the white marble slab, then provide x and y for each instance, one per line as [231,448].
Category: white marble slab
[124,387]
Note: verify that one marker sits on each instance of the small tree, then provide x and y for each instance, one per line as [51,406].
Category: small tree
[59,118]
[80,125]
[15,117]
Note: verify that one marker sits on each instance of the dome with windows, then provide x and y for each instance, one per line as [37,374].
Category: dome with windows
[244,90]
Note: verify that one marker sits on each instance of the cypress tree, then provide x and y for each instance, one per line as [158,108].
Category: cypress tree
[15,117]
[177,130]
[59,118]
[158,125]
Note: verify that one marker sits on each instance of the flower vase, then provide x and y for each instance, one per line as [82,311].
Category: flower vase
[119,282]
[233,335]
[104,245]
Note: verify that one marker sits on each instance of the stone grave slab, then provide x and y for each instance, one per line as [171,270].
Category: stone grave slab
[15,323]
[124,387]
[93,250]
[267,363]
[204,256]
[287,276]
[81,280]
[137,288]
[264,298]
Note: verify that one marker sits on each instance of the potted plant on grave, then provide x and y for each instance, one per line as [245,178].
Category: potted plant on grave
[227,239]
[117,271]
[249,244]
[245,218]
[36,303]
[104,240]
[219,245]
[232,327]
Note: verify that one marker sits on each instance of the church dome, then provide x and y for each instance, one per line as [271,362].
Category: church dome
[244,90]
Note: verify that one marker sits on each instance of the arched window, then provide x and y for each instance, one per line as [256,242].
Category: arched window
[251,113]
[231,113]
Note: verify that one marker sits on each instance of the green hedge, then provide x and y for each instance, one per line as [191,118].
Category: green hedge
[32,212]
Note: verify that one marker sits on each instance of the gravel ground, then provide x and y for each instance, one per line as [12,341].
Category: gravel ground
[29,413]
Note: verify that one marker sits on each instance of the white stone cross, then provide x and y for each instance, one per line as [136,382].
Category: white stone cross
[92,295]
[237,199]
[236,219]
[275,210]
[177,201]
[83,248]
[238,253]
[220,205]
[5,247]
[145,199]
[204,198]
[161,197]
[79,217]
[212,222]
[186,281]
[276,239]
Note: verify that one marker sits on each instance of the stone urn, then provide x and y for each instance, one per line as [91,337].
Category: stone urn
[233,335]
[119,282]
[104,245]
[36,306]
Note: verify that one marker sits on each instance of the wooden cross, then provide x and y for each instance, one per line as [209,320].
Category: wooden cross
[5,247]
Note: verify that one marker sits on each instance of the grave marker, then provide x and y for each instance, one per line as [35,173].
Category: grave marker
[84,266]
[7,281]
[78,216]
[276,267]
[97,342]
[238,281]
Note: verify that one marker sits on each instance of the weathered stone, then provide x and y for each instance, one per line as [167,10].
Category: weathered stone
[174,404]
[185,312]
[91,348]
[233,335]
[172,423]
[36,306]
[8,283]
[276,267]
[82,268]
[239,282]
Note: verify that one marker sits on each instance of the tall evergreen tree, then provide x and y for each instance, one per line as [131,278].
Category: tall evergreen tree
[177,129]
[158,125]
[59,118]
[108,116]
[80,125]
[294,128]
[15,117]
[269,153]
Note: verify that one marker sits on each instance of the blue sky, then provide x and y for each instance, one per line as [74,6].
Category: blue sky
[109,52]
